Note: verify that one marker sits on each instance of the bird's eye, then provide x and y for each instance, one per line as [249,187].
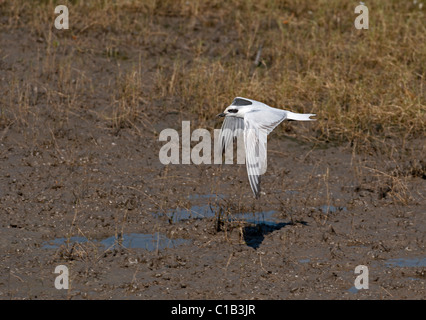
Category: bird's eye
[233,110]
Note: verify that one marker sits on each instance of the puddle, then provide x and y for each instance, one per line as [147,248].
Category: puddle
[149,242]
[208,211]
[259,218]
[304,260]
[406,262]
[262,223]
[205,211]
[353,290]
[196,212]
[56,243]
[414,279]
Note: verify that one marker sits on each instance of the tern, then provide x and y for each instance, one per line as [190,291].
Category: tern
[256,120]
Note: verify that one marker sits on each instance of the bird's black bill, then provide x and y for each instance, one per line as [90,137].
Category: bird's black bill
[221,115]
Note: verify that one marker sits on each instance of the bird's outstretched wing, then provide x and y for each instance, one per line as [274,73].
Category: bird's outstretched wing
[257,126]
[255,145]
[231,127]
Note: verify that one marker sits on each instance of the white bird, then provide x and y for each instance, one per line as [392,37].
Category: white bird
[257,120]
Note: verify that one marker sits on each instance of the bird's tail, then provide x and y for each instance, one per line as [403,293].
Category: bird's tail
[300,116]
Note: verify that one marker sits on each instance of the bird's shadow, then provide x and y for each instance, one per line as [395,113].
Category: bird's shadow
[255,234]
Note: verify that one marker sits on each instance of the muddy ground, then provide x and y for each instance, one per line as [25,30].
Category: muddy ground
[69,180]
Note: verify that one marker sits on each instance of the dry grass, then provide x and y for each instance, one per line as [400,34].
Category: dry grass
[364,85]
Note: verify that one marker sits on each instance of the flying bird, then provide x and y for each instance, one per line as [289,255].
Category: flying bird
[256,120]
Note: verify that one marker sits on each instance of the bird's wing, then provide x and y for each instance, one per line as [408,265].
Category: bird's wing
[255,154]
[268,118]
[231,127]
[257,125]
